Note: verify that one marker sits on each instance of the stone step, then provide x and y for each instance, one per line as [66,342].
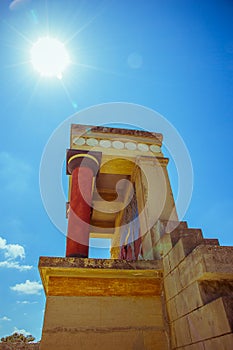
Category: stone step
[207,262]
[204,263]
[188,241]
[186,232]
[207,322]
[162,228]
[196,295]
[223,342]
[165,235]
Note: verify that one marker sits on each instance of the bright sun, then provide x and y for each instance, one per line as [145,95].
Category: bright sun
[49,57]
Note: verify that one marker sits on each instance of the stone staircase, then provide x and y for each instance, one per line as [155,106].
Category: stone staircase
[198,286]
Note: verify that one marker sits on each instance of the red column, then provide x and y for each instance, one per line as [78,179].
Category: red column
[82,168]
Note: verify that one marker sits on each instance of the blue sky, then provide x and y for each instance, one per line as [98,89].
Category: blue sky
[174,56]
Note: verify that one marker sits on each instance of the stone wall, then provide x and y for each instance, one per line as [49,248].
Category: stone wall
[198,282]
[100,304]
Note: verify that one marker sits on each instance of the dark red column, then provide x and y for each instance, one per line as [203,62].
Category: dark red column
[83,168]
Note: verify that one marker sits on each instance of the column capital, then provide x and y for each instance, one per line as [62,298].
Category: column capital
[80,158]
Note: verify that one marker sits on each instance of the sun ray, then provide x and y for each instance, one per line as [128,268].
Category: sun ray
[98,69]
[79,30]
[19,33]
[18,64]
[73,103]
[84,26]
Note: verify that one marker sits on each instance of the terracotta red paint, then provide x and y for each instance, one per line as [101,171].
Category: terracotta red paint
[79,213]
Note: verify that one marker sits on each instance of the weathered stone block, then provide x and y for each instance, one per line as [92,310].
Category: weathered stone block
[153,340]
[183,231]
[196,346]
[182,331]
[173,336]
[172,310]
[183,247]
[211,320]
[207,262]
[164,245]
[210,241]
[166,266]
[219,261]
[191,268]
[115,339]
[188,299]
[224,342]
[93,322]
[101,312]
[172,284]
[157,232]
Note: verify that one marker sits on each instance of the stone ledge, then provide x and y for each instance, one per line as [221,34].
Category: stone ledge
[89,277]
[99,264]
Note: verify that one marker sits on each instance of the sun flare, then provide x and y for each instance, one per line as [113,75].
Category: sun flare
[49,57]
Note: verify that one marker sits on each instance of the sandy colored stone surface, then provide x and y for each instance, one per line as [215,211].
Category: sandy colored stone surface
[96,322]
[211,320]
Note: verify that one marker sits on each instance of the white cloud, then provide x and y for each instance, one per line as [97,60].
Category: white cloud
[5,318]
[15,265]
[16,4]
[2,243]
[21,331]
[29,287]
[12,252]
[26,302]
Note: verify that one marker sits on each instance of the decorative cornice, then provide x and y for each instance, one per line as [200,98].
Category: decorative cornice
[117,131]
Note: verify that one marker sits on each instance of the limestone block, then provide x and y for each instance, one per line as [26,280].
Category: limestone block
[211,320]
[172,284]
[184,232]
[173,336]
[165,244]
[92,312]
[191,268]
[207,262]
[153,340]
[163,226]
[172,310]
[157,232]
[196,346]
[182,331]
[224,342]
[182,248]
[66,339]
[188,299]
[218,260]
[172,225]
[210,241]
[166,265]
[103,323]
